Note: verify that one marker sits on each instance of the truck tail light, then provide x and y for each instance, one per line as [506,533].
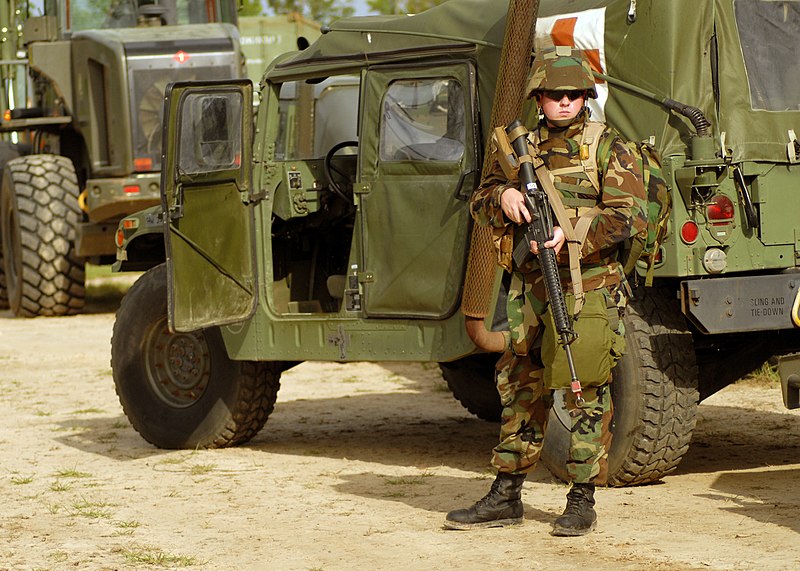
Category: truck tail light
[142,164]
[689,232]
[720,210]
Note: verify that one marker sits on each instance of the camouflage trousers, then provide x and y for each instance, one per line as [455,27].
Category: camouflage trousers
[526,407]
[527,401]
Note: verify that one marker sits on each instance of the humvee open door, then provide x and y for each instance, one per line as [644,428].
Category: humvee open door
[207,199]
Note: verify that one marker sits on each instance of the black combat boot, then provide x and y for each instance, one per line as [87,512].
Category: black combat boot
[500,507]
[579,517]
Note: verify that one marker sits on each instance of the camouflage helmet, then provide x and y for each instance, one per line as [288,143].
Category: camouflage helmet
[562,68]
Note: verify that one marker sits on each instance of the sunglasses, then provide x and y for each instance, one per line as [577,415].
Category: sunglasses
[572,94]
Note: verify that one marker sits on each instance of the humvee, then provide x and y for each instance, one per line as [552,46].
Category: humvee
[334,225]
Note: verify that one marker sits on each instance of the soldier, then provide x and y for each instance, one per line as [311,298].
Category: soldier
[600,183]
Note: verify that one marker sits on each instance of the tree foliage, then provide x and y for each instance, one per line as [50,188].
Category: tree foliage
[251,8]
[321,11]
[326,11]
[401,6]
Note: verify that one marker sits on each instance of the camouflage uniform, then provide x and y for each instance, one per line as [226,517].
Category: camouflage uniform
[526,399]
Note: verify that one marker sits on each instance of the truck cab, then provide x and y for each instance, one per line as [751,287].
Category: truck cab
[83,103]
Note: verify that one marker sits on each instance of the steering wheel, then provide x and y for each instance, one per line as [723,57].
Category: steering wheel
[332,172]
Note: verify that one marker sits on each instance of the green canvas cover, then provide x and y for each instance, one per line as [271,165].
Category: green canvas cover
[668,51]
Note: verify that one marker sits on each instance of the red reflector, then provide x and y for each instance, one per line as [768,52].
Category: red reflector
[689,232]
[120,238]
[720,210]
[181,56]
[131,189]
[130,223]
[143,164]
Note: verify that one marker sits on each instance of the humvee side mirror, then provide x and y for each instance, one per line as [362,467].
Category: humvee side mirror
[467,183]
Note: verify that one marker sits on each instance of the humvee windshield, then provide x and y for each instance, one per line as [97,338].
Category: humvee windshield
[773,69]
[314,118]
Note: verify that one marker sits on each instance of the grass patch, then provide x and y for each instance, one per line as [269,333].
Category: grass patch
[88,411]
[765,376]
[201,469]
[156,557]
[59,486]
[21,480]
[126,527]
[94,510]
[105,286]
[71,473]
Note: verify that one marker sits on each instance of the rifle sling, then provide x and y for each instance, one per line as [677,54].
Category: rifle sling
[573,245]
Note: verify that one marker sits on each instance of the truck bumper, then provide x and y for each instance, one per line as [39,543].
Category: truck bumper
[110,199]
[789,371]
[741,304]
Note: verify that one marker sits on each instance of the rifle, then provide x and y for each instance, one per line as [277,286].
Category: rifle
[540,230]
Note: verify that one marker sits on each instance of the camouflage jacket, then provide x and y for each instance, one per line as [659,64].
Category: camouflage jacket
[622,200]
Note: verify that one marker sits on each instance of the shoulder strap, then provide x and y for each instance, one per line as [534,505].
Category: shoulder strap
[573,246]
[590,140]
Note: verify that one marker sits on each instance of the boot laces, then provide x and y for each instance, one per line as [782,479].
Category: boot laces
[494,490]
[576,502]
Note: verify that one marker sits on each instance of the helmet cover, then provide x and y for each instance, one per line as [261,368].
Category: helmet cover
[561,69]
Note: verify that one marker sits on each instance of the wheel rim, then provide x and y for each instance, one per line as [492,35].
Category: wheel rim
[178,365]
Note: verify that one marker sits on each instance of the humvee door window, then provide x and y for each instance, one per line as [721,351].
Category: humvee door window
[423,120]
[769,32]
[210,132]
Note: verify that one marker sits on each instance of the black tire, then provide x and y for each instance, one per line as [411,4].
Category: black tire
[38,215]
[472,382]
[180,390]
[654,392]
[8,151]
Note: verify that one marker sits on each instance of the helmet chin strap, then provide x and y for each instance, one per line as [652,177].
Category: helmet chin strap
[561,122]
[568,122]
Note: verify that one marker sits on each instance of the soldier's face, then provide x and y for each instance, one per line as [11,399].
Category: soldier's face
[561,106]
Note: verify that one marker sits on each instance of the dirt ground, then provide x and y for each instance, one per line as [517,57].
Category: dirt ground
[355,469]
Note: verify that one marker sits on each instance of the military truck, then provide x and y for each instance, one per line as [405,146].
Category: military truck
[83,88]
[345,237]
[265,37]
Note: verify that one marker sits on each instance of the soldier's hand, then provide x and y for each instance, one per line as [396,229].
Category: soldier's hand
[556,243]
[513,204]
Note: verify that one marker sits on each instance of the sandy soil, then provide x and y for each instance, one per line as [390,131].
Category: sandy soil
[355,470]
